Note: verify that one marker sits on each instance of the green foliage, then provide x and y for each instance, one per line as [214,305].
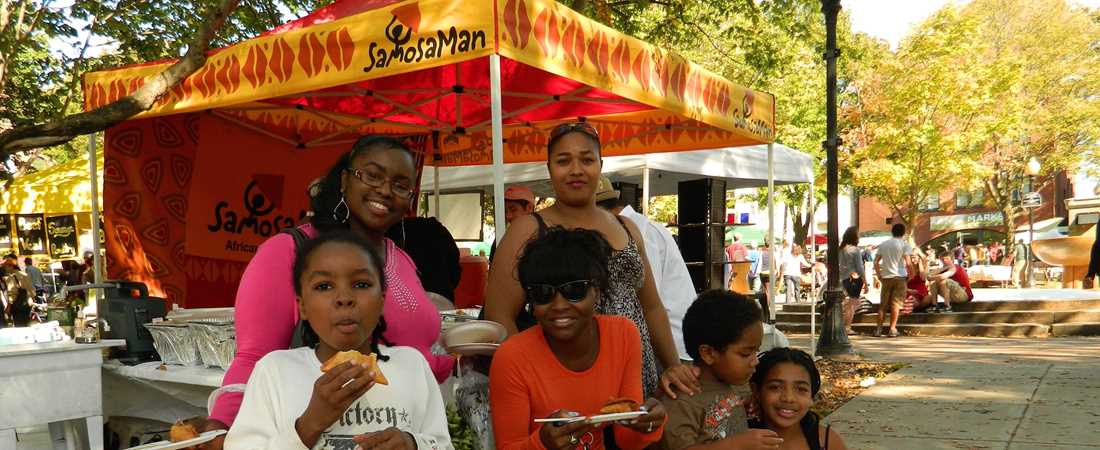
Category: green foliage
[462,436]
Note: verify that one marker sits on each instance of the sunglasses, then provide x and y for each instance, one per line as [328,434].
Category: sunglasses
[582,127]
[573,291]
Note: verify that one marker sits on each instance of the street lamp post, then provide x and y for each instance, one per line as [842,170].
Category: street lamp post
[1032,170]
[833,341]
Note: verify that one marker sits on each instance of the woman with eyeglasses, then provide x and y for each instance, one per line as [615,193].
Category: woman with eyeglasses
[573,361]
[574,163]
[368,191]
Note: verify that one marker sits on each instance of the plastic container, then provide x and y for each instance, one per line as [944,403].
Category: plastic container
[175,343]
[471,286]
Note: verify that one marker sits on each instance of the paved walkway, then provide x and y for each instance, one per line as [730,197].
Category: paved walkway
[976,393]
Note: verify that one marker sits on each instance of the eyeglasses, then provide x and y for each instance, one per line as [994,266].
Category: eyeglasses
[583,127]
[376,180]
[573,291]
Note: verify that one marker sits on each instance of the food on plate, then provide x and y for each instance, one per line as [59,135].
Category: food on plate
[371,361]
[182,431]
[619,405]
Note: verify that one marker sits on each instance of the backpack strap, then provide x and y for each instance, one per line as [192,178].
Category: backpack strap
[827,428]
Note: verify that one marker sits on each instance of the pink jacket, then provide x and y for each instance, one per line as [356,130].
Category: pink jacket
[267,312]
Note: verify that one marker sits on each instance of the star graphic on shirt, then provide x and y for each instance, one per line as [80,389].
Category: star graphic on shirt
[404,416]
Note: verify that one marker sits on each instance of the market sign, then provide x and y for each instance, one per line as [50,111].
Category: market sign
[5,232]
[62,236]
[967,221]
[31,230]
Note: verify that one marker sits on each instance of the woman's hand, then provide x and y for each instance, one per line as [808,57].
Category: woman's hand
[389,439]
[333,393]
[652,420]
[685,378]
[217,443]
[565,436]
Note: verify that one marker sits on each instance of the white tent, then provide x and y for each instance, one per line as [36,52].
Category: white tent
[741,167]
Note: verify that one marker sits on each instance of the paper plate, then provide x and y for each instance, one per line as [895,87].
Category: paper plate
[473,349]
[167,445]
[616,417]
[474,332]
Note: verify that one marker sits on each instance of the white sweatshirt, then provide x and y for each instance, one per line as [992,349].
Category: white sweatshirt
[282,383]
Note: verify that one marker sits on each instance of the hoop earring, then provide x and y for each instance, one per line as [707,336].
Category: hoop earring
[336,211]
[403,239]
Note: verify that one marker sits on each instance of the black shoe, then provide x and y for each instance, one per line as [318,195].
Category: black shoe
[945,308]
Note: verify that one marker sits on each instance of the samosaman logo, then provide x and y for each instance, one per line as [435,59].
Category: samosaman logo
[747,103]
[405,22]
[262,195]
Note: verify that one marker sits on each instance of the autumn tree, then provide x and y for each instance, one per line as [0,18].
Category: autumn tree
[1038,86]
[909,120]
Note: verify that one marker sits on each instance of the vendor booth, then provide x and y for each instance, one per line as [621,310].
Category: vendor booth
[46,215]
[193,185]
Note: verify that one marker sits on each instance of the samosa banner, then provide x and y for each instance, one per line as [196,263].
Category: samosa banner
[554,38]
[416,35]
[240,198]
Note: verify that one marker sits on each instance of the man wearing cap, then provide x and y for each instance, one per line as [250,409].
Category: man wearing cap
[670,274]
[519,201]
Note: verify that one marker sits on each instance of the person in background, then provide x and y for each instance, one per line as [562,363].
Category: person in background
[791,269]
[433,250]
[87,270]
[983,256]
[737,251]
[1094,260]
[19,290]
[669,270]
[950,281]
[1021,257]
[916,288]
[519,201]
[724,331]
[891,265]
[851,275]
[37,280]
[754,266]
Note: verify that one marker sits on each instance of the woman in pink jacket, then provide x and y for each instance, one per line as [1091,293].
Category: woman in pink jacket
[367,191]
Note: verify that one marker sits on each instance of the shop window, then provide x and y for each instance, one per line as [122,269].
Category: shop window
[969,199]
[930,203]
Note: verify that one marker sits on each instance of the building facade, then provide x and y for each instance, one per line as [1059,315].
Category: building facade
[962,215]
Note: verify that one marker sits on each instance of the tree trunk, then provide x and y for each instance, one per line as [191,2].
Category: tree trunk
[66,128]
[801,227]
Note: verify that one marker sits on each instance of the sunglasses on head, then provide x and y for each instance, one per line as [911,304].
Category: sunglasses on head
[573,291]
[582,127]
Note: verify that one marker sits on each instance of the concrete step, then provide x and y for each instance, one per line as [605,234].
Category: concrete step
[980,330]
[1042,317]
[1076,329]
[990,306]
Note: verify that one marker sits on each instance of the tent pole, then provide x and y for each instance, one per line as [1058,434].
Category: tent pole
[813,278]
[435,180]
[97,265]
[645,190]
[773,277]
[498,147]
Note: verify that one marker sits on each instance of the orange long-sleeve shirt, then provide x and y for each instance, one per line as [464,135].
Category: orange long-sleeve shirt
[527,382]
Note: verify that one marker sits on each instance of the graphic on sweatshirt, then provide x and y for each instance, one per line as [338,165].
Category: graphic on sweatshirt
[716,422]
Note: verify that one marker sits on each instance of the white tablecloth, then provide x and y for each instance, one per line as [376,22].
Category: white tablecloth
[144,391]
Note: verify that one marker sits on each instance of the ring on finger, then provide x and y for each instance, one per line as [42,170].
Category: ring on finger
[350,381]
[649,428]
[573,439]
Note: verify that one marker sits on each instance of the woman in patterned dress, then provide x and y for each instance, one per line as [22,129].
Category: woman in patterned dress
[574,163]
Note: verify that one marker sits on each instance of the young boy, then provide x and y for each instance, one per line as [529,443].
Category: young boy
[723,331]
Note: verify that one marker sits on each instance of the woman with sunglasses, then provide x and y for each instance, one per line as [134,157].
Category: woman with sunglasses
[367,191]
[574,163]
[573,361]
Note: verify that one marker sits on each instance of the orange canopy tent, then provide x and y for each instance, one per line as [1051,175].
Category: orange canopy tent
[481,82]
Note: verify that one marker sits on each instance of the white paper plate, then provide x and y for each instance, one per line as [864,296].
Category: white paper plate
[473,349]
[166,445]
[562,420]
[616,417]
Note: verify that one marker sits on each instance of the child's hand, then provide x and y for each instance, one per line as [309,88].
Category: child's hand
[389,439]
[333,393]
[755,439]
[651,421]
[565,436]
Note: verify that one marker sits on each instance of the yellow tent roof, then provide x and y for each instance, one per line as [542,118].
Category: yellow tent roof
[63,188]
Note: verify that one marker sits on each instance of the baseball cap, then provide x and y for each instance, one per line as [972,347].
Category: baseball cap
[519,193]
[605,191]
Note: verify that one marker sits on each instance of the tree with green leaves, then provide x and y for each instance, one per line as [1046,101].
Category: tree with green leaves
[910,125]
[1037,84]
